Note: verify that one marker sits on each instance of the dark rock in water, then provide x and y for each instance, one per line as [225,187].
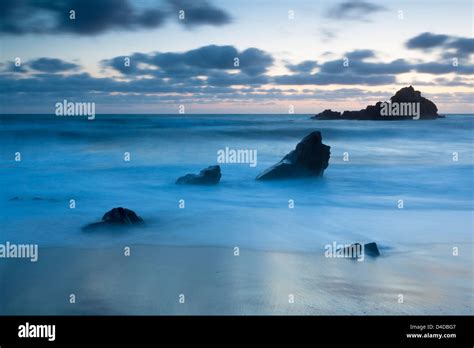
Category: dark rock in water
[309,158]
[428,109]
[121,216]
[371,249]
[407,95]
[117,217]
[208,176]
[327,114]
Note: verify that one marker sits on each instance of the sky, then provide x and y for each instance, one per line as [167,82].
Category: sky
[233,56]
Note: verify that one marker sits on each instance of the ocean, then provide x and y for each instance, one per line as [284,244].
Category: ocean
[405,185]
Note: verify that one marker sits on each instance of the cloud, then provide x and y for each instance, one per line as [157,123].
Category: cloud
[208,74]
[195,62]
[327,35]
[94,17]
[426,40]
[358,66]
[452,45]
[360,54]
[463,46]
[304,67]
[334,79]
[52,65]
[354,10]
[199,13]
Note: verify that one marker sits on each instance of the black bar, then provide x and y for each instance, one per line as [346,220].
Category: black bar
[289,330]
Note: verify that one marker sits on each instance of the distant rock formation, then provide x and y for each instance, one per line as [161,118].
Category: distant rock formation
[406,104]
[208,176]
[309,158]
[117,217]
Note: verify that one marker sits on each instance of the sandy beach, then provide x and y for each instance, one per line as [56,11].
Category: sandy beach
[215,282]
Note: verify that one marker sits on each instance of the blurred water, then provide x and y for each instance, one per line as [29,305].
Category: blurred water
[75,158]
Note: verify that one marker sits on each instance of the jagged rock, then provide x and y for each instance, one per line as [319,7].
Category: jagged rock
[208,176]
[371,249]
[121,216]
[427,109]
[117,217]
[309,158]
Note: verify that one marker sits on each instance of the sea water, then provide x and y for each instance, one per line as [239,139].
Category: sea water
[403,184]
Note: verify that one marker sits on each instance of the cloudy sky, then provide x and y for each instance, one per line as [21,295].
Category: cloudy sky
[233,56]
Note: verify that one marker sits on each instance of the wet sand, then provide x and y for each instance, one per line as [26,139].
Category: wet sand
[215,282]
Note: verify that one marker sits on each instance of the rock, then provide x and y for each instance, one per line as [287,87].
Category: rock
[117,217]
[121,216]
[371,249]
[208,176]
[327,114]
[309,158]
[427,110]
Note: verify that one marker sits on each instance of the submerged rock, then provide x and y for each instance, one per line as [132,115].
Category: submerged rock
[371,249]
[408,95]
[208,176]
[117,217]
[121,216]
[309,158]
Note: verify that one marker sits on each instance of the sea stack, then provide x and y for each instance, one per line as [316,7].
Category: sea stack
[117,217]
[406,104]
[208,176]
[309,159]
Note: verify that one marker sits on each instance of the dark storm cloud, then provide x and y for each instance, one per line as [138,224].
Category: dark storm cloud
[52,65]
[196,62]
[331,79]
[357,65]
[360,67]
[354,10]
[224,79]
[303,67]
[208,74]
[426,40]
[455,46]
[199,13]
[360,54]
[93,17]
[463,46]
